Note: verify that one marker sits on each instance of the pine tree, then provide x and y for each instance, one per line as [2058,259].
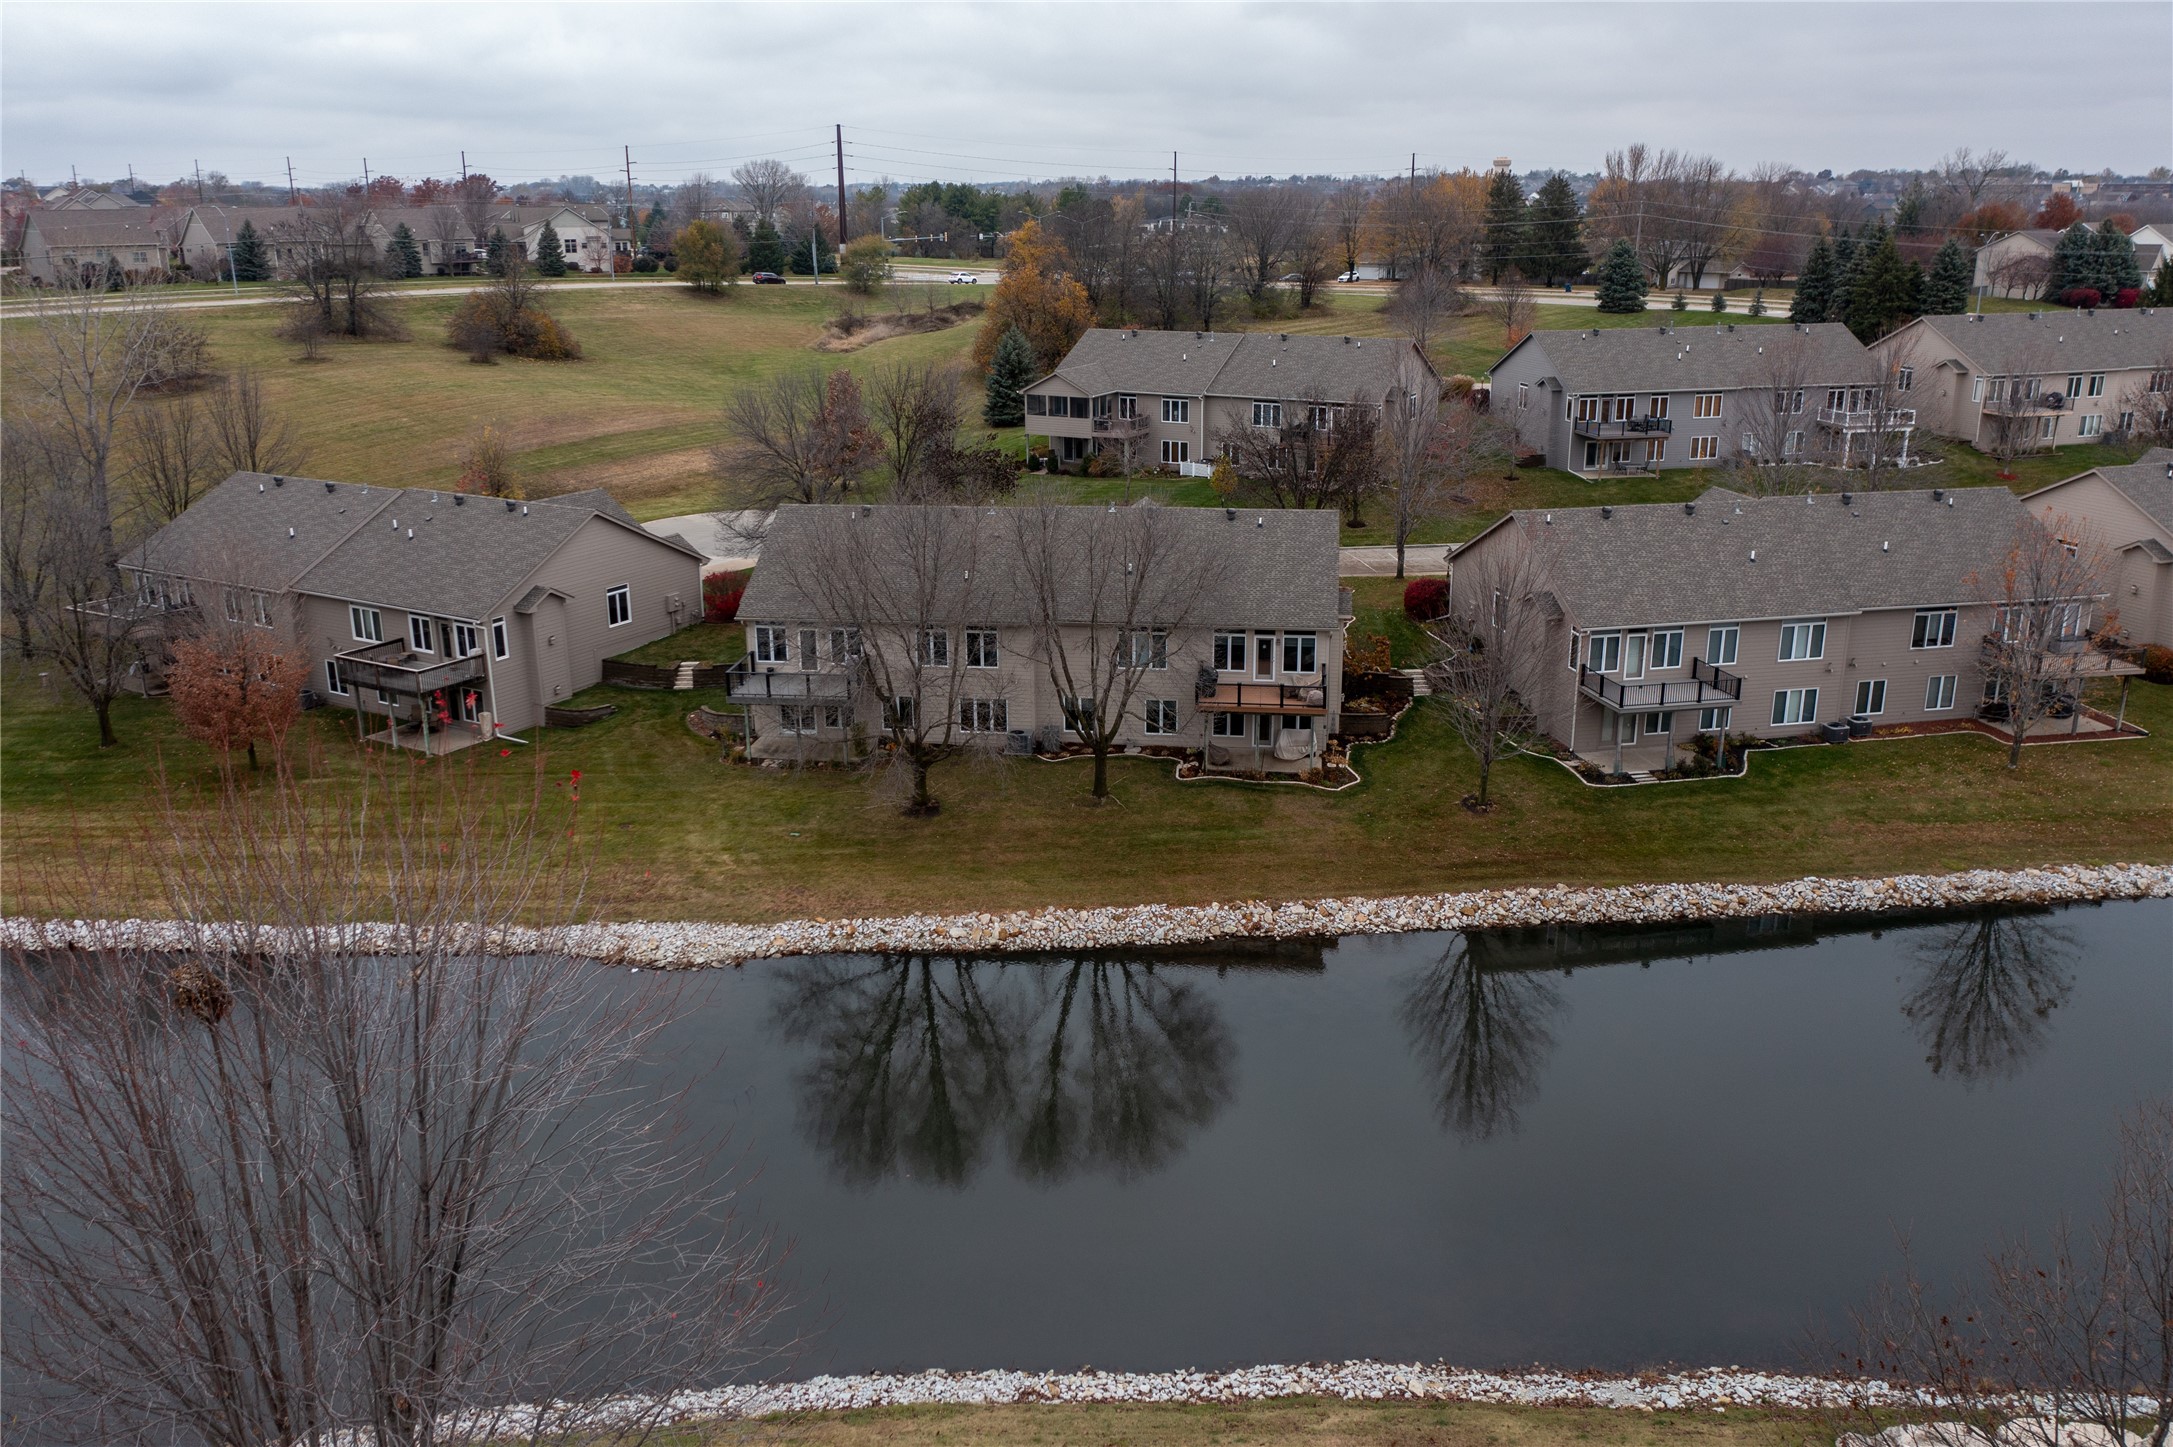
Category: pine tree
[1009,374]
[1504,246]
[550,252]
[1814,286]
[2161,286]
[1554,233]
[250,263]
[1758,302]
[2116,262]
[2076,262]
[765,249]
[1680,304]
[802,263]
[403,258]
[1887,290]
[1848,264]
[1622,280]
[1720,301]
[1946,290]
[494,252]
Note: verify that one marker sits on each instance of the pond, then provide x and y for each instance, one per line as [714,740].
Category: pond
[1603,1148]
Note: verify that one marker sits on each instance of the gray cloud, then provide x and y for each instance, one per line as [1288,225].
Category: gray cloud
[1002,92]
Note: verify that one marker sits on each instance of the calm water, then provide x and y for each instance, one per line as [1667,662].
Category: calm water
[1590,1148]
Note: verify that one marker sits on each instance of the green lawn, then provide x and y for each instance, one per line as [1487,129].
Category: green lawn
[701,643]
[680,833]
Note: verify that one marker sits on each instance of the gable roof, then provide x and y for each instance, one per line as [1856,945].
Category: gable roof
[2040,342]
[1674,357]
[224,223]
[1272,568]
[1816,556]
[258,530]
[1231,364]
[2146,482]
[136,226]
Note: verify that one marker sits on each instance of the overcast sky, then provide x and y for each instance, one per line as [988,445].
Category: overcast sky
[990,93]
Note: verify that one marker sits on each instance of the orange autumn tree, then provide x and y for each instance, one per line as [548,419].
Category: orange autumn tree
[1039,296]
[236,689]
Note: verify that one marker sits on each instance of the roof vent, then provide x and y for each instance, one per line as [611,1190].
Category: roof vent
[396,525]
[260,487]
[411,534]
[1346,341]
[1550,519]
[524,509]
[1690,509]
[1950,502]
[1938,493]
[1886,545]
[1271,361]
[460,499]
[290,532]
[1282,336]
[1229,514]
[510,504]
[1195,336]
[1754,555]
[2035,316]
[1606,512]
[1847,498]
[278,481]
[330,485]
[1261,521]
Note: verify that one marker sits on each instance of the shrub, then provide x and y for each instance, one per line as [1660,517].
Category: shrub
[1720,301]
[721,593]
[671,265]
[1425,599]
[486,466]
[1758,302]
[645,264]
[1681,303]
[2127,297]
[2086,297]
[2158,664]
[485,324]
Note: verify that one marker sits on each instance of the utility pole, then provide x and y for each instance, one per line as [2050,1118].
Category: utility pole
[628,152]
[365,178]
[1173,198]
[199,182]
[463,170]
[841,189]
[291,199]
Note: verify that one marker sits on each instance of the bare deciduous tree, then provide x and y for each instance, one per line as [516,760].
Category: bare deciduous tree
[286,1185]
[247,434]
[798,437]
[1262,220]
[914,411]
[1512,304]
[766,186]
[1312,248]
[334,277]
[2035,655]
[80,620]
[1490,653]
[1423,304]
[1348,209]
[176,455]
[1482,1035]
[1410,438]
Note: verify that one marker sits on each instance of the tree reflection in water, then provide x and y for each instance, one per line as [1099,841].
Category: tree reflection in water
[920,1063]
[1987,988]
[1482,1036]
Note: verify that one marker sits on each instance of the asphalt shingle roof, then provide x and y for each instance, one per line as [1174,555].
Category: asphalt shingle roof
[1656,563]
[1676,357]
[259,531]
[1264,568]
[2148,483]
[134,227]
[1270,365]
[2006,344]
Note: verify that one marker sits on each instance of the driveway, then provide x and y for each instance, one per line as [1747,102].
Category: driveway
[729,540]
[1418,561]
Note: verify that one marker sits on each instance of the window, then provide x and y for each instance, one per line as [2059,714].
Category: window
[902,713]
[1078,714]
[833,716]
[1161,715]
[1795,706]
[983,715]
[332,680]
[1785,401]
[1101,409]
[1803,641]
[2097,384]
[2074,384]
[1176,409]
[1870,697]
[1976,390]
[1714,720]
[794,718]
[1939,692]
[2046,427]
[1298,653]
[1229,651]
[936,647]
[2127,421]
[1934,628]
[263,605]
[1656,406]
[1037,405]
[1904,379]
[500,647]
[366,624]
[418,633]
[1705,404]
[1603,652]
[2160,381]
[1656,449]
[1322,417]
[1704,449]
[463,640]
[1524,396]
[1080,407]
[1747,443]
[1501,609]
[1175,452]
[1143,648]
[807,650]
[1585,409]
[618,606]
[770,644]
[1267,414]
[1667,648]
[1128,407]
[1792,445]
[981,648]
[1659,723]
[844,645]
[1573,650]
[2090,426]
[1720,645]
[232,599]
[1227,725]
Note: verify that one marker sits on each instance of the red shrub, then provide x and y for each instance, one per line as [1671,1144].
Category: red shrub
[720,596]
[2126,297]
[1425,598]
[2086,297]
[2158,664]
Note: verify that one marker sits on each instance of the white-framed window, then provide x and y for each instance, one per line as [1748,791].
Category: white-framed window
[573,246]
[231,597]
[1143,648]
[1176,409]
[2074,384]
[1229,650]
[1501,610]
[772,644]
[1078,714]
[807,650]
[2097,384]
[981,651]
[902,713]
[2127,421]
[1904,379]
[1161,715]
[1704,449]
[1603,652]
[1939,692]
[983,715]
[1705,404]
[1934,628]
[467,702]
[262,602]
[1870,697]
[618,606]
[1300,655]
[1976,389]
[844,645]
[1747,443]
[1227,725]
[1714,720]
[1037,404]
[1524,396]
[2091,425]
[833,717]
[1792,445]
[464,640]
[1175,451]
[1795,706]
[1656,449]
[935,650]
[1656,405]
[501,645]
[1803,640]
[1575,649]
[1267,414]
[332,681]
[1322,416]
[1659,723]
[796,718]
[1667,648]
[1720,646]
[366,623]
[1583,409]
[1127,406]
[2046,427]
[419,635]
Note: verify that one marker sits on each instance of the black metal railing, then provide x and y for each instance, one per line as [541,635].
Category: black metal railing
[748,681]
[1233,696]
[393,667]
[1706,685]
[1625,427]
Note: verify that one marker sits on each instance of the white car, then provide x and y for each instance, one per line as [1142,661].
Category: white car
[964,278]
[1349,276]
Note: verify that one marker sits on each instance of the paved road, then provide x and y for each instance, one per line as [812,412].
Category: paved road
[206,301]
[1418,560]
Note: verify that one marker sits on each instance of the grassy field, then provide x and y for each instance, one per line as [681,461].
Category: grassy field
[1293,1420]
[680,834]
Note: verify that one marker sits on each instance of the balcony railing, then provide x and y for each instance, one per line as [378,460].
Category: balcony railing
[1867,419]
[1111,426]
[2035,402]
[1232,696]
[1629,465]
[1706,686]
[750,682]
[395,668]
[1624,427]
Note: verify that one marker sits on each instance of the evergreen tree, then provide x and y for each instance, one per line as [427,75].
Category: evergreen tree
[804,265]
[1848,264]
[1887,292]
[1946,290]
[2161,286]
[1720,301]
[550,252]
[1554,233]
[494,252]
[2076,262]
[765,249]
[403,257]
[1503,248]
[115,278]
[1814,286]
[1909,209]
[1758,302]
[2116,262]
[250,262]
[1622,280]
[1009,375]
[1680,304]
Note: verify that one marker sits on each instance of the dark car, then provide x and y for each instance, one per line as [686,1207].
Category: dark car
[768,278]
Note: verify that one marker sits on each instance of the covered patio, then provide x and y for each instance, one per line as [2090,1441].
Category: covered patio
[436,704]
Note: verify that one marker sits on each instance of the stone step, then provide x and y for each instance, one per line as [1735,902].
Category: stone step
[683,680]
[1419,687]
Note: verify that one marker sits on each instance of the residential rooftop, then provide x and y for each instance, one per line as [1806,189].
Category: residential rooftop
[1682,357]
[1275,365]
[2006,344]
